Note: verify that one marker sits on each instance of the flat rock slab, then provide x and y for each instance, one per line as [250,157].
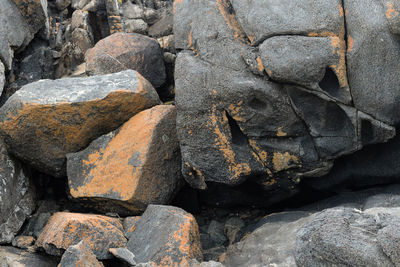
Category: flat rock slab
[45,120]
[122,51]
[167,236]
[10,256]
[17,197]
[66,229]
[79,255]
[136,165]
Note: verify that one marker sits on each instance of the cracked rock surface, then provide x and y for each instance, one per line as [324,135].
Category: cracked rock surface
[274,91]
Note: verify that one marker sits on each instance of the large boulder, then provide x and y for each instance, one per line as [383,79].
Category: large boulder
[167,236]
[45,120]
[262,91]
[17,198]
[122,51]
[134,166]
[10,256]
[66,229]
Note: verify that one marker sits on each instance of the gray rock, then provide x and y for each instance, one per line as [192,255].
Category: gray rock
[2,77]
[124,255]
[17,198]
[47,119]
[79,254]
[163,26]
[136,26]
[129,224]
[195,263]
[232,228]
[215,231]
[132,11]
[63,4]
[87,5]
[10,256]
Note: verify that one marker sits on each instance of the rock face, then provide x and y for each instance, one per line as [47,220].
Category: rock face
[122,51]
[16,196]
[137,165]
[79,255]
[167,236]
[45,120]
[66,229]
[10,256]
[273,103]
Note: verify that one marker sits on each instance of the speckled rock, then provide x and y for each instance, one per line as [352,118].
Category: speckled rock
[122,51]
[167,236]
[17,198]
[137,165]
[66,229]
[47,119]
[79,255]
[34,12]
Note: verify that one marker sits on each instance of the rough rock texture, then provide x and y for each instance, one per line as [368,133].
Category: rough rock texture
[2,77]
[13,257]
[129,224]
[122,51]
[79,255]
[45,120]
[34,12]
[167,236]
[351,229]
[262,91]
[17,198]
[137,165]
[124,254]
[65,229]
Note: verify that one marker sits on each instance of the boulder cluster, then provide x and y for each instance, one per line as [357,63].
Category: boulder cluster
[121,118]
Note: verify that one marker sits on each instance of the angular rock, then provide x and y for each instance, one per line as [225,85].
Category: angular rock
[124,255]
[163,26]
[17,198]
[47,119]
[129,224]
[10,256]
[79,255]
[34,12]
[66,229]
[122,51]
[137,165]
[167,236]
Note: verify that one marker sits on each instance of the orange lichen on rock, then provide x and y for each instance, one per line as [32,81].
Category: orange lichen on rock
[284,161]
[391,11]
[65,229]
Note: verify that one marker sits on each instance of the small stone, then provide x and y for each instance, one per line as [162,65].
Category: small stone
[132,11]
[136,26]
[65,229]
[232,228]
[124,255]
[79,255]
[23,241]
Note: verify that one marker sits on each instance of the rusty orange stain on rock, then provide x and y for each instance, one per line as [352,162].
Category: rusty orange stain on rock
[261,153]
[260,65]
[283,161]
[280,133]
[341,11]
[391,11]
[350,43]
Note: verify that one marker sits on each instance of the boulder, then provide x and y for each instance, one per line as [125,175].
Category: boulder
[10,256]
[66,229]
[45,120]
[79,255]
[17,198]
[122,51]
[137,165]
[34,13]
[272,104]
[166,235]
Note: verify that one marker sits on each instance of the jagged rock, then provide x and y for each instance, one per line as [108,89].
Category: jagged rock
[34,12]
[47,119]
[137,165]
[65,229]
[167,236]
[124,255]
[17,198]
[122,51]
[79,255]
[14,257]
[272,104]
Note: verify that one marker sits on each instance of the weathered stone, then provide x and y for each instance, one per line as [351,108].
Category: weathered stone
[232,228]
[87,5]
[195,263]
[2,77]
[63,4]
[266,82]
[124,255]
[137,165]
[13,257]
[45,120]
[23,241]
[167,236]
[34,12]
[66,229]
[17,198]
[136,26]
[163,26]
[123,51]
[132,11]
[79,255]
[167,43]
[130,225]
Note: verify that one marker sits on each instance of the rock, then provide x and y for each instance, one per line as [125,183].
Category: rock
[130,225]
[163,26]
[23,241]
[87,5]
[167,43]
[215,232]
[34,12]
[123,51]
[10,256]
[263,95]
[65,229]
[16,33]
[232,228]
[213,254]
[63,4]
[47,119]
[79,255]
[124,255]
[2,77]
[167,236]
[132,11]
[136,26]
[195,263]
[137,165]
[17,197]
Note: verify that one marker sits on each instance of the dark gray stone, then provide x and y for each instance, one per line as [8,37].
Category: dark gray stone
[17,198]
[79,254]
[124,255]
[10,256]
[232,229]
[163,26]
